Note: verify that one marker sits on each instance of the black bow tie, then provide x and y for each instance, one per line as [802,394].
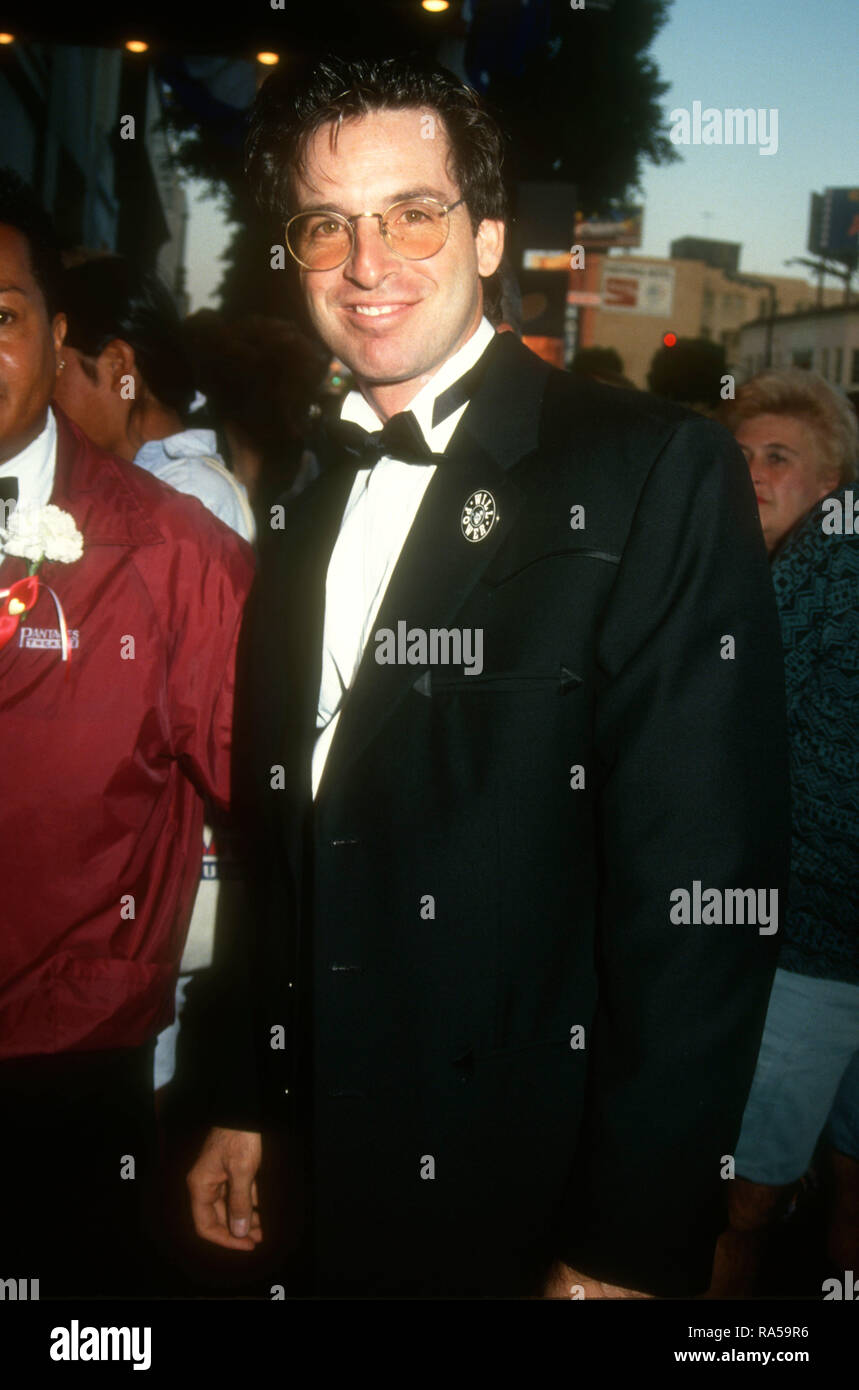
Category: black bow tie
[8,489]
[401,438]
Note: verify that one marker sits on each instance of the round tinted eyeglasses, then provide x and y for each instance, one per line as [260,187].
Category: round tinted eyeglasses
[415,229]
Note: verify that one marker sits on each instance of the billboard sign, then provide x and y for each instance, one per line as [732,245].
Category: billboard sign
[629,288]
[839,223]
[619,227]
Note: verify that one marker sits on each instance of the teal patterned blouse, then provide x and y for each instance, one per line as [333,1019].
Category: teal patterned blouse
[816,578]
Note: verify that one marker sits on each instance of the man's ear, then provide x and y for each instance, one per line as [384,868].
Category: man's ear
[118,360]
[489,239]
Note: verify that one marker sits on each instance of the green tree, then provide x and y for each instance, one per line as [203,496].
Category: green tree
[585,107]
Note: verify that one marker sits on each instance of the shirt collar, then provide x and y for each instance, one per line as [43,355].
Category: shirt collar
[187,444]
[101,492]
[34,466]
[359,410]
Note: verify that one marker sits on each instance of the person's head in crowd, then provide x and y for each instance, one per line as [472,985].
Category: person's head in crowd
[128,378]
[396,293]
[800,439]
[32,325]
[689,373]
[603,364]
[260,377]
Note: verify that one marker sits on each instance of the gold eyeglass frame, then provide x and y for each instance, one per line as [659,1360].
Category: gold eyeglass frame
[349,222]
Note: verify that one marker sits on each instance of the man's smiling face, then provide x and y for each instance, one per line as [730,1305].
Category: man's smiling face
[392,321]
[29,343]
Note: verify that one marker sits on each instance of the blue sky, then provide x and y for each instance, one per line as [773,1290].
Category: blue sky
[799,56]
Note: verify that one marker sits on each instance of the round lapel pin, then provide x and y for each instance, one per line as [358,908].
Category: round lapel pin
[479,515]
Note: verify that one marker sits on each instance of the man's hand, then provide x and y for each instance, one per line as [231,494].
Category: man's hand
[223,1189]
[563,1282]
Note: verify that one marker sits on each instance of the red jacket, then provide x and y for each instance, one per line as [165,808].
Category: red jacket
[102,774]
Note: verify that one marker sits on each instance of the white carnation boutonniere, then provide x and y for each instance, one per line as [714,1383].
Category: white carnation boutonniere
[42,533]
[37,534]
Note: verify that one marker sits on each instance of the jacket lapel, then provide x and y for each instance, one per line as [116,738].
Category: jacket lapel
[287,653]
[438,566]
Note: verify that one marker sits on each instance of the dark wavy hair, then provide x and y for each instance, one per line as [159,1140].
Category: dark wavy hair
[20,208]
[107,297]
[288,111]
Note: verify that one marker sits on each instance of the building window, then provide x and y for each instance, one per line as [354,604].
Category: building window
[854,370]
[839,366]
[824,364]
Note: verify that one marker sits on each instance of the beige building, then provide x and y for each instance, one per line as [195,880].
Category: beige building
[644,297]
[827,340]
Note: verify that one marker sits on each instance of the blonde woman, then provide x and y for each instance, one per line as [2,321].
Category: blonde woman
[800,439]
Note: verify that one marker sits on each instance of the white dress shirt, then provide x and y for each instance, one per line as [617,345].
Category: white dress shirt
[379,514]
[34,468]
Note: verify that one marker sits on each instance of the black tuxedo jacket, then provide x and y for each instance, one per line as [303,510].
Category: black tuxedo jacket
[460,976]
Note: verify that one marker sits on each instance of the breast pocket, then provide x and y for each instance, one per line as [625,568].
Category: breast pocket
[561,680]
[531,558]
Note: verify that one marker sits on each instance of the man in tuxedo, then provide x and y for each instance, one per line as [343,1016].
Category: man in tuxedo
[511,753]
